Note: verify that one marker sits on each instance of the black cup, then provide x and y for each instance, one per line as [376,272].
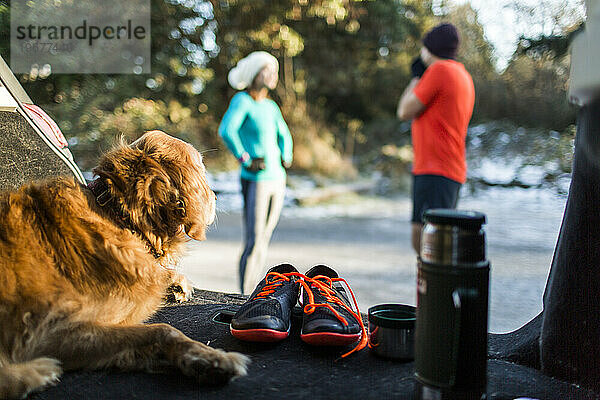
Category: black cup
[392,331]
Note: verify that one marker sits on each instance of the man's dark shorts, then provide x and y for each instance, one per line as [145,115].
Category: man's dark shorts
[433,191]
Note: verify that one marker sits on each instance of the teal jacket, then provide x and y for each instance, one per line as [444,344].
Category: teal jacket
[258,128]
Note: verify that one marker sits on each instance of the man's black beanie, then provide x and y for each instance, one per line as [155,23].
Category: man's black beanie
[442,41]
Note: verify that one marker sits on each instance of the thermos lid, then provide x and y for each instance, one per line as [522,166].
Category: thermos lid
[461,218]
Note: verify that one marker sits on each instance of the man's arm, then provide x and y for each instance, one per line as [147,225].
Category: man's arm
[409,106]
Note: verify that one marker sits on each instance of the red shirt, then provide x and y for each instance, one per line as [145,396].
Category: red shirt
[438,134]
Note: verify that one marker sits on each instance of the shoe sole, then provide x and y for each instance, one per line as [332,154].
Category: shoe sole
[329,339]
[259,335]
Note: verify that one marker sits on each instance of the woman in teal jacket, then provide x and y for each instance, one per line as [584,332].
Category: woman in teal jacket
[254,131]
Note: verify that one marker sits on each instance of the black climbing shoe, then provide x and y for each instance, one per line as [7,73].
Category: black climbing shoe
[328,318]
[266,315]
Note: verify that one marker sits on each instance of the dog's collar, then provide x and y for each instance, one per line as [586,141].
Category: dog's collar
[101,192]
[104,199]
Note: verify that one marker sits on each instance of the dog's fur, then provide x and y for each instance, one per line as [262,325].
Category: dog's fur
[77,280]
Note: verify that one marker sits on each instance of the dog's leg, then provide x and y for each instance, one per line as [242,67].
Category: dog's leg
[19,379]
[139,347]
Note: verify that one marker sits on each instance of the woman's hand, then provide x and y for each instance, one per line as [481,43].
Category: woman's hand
[257,164]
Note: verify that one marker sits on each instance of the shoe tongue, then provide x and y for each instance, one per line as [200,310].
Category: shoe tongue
[283,268]
[321,270]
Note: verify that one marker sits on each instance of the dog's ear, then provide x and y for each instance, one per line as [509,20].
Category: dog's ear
[163,203]
[157,189]
[196,231]
[199,206]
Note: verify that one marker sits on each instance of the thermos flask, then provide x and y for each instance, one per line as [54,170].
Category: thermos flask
[452,307]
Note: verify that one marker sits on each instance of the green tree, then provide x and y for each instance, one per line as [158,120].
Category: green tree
[344,64]
[182,42]
[536,79]
[537,91]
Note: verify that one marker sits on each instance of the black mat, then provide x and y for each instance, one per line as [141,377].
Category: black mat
[290,370]
[520,347]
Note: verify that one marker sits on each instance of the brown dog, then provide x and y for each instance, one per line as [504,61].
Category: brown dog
[82,267]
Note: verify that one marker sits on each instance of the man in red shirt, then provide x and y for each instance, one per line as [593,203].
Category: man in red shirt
[440,103]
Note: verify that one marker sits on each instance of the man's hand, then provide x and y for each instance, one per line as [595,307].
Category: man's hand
[418,67]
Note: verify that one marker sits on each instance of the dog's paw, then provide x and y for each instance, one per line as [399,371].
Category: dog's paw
[228,365]
[46,371]
[30,376]
[213,366]
[180,290]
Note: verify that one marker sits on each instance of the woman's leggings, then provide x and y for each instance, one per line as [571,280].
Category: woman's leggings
[263,201]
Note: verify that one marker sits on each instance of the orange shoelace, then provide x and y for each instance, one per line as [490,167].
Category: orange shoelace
[276,279]
[324,284]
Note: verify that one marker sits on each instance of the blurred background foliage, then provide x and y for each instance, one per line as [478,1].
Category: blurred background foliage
[343,66]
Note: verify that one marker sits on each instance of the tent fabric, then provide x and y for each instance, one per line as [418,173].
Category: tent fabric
[48,126]
[25,155]
[27,141]
[12,83]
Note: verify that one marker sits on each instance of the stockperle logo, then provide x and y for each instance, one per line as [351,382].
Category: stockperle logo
[80,36]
